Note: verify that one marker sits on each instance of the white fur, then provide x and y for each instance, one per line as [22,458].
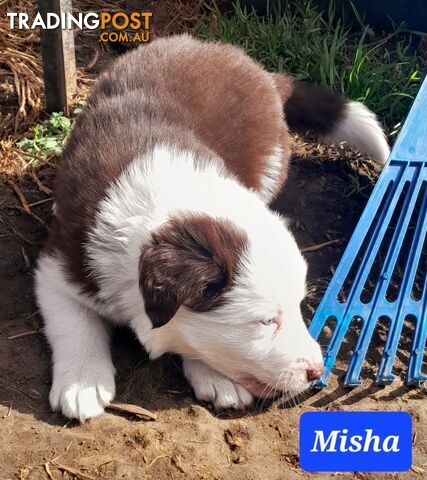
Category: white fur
[361,130]
[83,372]
[226,345]
[272,178]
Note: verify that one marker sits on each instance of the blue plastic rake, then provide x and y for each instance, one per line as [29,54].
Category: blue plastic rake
[390,237]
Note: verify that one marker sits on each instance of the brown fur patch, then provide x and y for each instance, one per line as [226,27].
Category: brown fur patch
[284,85]
[213,90]
[190,261]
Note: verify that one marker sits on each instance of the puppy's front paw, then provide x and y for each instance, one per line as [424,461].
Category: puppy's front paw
[212,386]
[82,395]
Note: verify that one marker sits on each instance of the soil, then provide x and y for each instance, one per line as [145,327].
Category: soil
[188,440]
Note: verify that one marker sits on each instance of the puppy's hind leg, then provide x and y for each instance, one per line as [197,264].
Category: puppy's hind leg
[83,371]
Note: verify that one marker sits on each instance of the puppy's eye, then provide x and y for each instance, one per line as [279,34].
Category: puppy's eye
[268,322]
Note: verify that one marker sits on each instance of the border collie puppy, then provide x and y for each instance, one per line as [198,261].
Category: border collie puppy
[162,223]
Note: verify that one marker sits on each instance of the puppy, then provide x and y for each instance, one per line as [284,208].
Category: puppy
[162,223]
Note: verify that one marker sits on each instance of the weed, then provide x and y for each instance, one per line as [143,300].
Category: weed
[354,185]
[48,138]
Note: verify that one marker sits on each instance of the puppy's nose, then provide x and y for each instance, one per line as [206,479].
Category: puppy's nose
[315,371]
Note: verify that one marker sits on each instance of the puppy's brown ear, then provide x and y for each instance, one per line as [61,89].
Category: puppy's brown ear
[190,261]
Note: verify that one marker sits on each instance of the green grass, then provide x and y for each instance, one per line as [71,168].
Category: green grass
[299,39]
[47,138]
[354,185]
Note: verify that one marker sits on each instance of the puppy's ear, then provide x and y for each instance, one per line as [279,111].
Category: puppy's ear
[190,261]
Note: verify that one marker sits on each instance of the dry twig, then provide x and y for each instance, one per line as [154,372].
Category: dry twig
[155,460]
[47,468]
[23,334]
[25,257]
[21,196]
[313,248]
[42,187]
[40,202]
[73,471]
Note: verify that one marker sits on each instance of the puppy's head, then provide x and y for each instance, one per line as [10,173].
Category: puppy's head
[230,296]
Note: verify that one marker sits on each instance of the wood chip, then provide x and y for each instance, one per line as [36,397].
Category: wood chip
[36,393]
[9,410]
[313,248]
[133,410]
[233,440]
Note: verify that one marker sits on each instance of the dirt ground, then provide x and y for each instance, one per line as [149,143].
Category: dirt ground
[188,440]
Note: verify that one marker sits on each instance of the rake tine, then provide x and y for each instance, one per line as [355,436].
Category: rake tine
[412,307]
[352,377]
[414,375]
[333,348]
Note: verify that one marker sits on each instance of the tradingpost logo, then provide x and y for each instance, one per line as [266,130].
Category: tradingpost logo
[113,27]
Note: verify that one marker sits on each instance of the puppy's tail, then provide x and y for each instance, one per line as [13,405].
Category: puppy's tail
[332,118]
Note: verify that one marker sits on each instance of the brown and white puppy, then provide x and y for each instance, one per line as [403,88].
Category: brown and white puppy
[161,223]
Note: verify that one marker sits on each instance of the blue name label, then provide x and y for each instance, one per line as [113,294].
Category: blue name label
[355,441]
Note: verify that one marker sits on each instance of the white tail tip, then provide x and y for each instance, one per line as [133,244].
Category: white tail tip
[360,129]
